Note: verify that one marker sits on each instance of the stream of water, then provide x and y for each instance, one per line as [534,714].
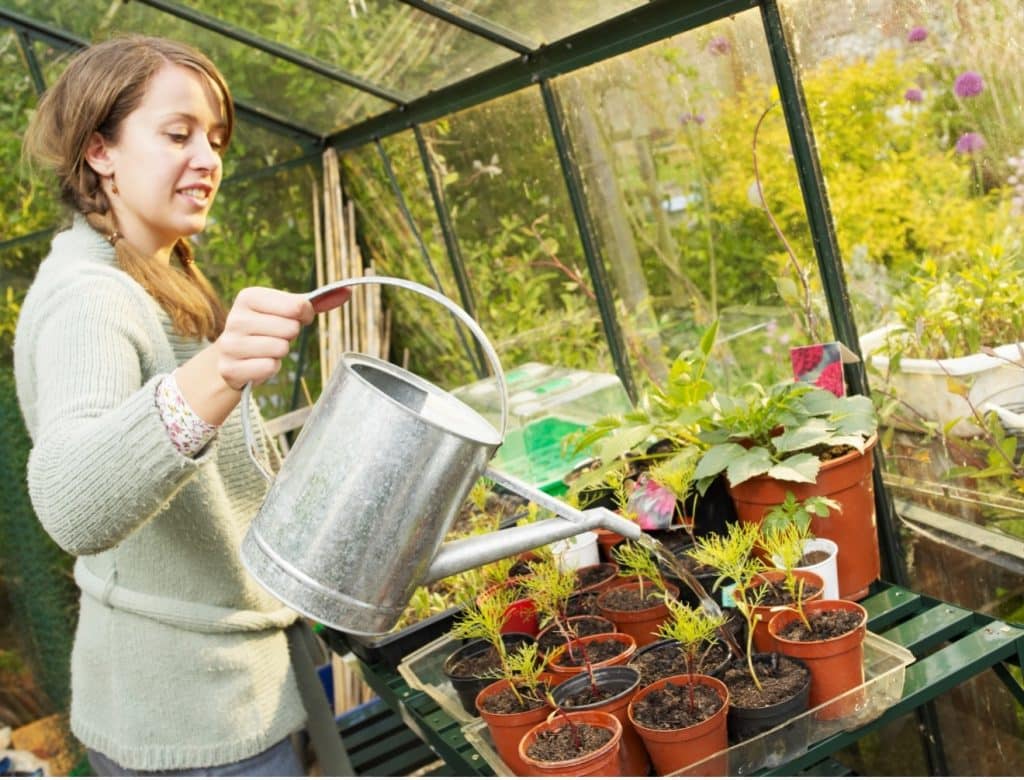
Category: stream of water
[665,556]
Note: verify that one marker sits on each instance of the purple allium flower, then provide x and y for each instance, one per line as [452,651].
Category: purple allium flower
[969,143]
[968,84]
[913,95]
[719,45]
[917,34]
[698,118]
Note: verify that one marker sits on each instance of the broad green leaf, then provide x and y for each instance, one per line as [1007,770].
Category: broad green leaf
[717,459]
[814,431]
[620,442]
[802,467]
[752,463]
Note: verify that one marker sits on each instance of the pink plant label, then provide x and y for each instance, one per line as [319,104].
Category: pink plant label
[822,365]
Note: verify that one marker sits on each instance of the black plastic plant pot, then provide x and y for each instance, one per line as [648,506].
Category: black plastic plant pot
[467,687]
[618,681]
[663,644]
[747,722]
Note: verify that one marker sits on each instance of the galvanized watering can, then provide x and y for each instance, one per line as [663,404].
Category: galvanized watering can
[355,519]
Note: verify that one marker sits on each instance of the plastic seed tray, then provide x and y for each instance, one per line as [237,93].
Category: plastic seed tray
[424,671]
[885,665]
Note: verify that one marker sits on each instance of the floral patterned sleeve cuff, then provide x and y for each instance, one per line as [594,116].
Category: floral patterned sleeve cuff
[188,431]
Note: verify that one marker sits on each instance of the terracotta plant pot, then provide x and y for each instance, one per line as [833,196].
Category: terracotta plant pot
[606,627]
[603,762]
[562,668]
[836,664]
[466,686]
[673,749]
[763,641]
[847,480]
[507,729]
[620,682]
[641,624]
[606,541]
[610,577]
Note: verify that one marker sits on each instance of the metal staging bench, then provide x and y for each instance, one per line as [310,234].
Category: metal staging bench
[951,646]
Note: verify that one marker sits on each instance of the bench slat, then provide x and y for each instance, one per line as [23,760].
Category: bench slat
[931,628]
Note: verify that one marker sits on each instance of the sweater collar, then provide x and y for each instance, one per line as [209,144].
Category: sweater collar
[86,241]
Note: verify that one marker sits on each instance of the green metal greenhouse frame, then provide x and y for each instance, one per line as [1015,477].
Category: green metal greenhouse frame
[533,67]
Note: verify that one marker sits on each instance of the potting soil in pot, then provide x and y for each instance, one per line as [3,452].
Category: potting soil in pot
[593,575]
[592,694]
[563,743]
[596,652]
[586,625]
[484,664]
[672,707]
[668,660]
[824,625]
[506,703]
[630,601]
[583,604]
[778,595]
[781,678]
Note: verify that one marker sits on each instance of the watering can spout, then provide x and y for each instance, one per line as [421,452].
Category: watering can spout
[465,554]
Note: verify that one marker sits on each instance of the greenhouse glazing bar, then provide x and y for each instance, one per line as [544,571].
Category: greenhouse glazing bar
[650,23]
[276,49]
[470,22]
[38,82]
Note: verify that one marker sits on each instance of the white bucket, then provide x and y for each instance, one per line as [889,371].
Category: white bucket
[827,568]
[576,551]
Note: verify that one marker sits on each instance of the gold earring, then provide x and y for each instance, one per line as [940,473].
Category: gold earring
[113,185]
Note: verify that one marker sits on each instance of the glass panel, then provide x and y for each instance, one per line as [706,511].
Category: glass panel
[517,235]
[916,109]
[664,138]
[277,87]
[545,22]
[422,336]
[389,44]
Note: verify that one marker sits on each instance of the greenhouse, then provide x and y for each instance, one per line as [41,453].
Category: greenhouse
[694,284]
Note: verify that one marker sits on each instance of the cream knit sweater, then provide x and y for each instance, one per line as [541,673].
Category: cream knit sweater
[179,659]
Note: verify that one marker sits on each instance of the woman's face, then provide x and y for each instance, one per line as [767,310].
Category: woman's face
[166,161]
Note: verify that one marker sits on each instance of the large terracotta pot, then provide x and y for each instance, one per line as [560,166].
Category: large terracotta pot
[609,571]
[562,668]
[507,730]
[673,749]
[836,664]
[603,762]
[620,682]
[763,641]
[847,480]
[641,624]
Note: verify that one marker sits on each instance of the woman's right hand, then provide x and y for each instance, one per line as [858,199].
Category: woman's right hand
[258,333]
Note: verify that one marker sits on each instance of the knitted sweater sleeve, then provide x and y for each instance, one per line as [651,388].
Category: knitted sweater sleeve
[102,463]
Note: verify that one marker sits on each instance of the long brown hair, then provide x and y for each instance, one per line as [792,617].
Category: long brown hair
[101,86]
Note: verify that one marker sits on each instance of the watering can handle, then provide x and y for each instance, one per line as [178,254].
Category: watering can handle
[463,317]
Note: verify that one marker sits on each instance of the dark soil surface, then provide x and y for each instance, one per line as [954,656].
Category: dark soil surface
[592,695]
[520,568]
[671,707]
[486,664]
[564,743]
[506,703]
[597,651]
[824,625]
[500,505]
[777,595]
[781,679]
[630,601]
[813,557]
[592,576]
[836,451]
[668,660]
[588,626]
[583,604]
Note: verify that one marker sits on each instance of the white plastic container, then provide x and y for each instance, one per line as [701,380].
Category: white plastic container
[826,569]
[576,551]
[923,384]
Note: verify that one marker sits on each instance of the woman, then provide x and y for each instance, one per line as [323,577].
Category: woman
[129,373]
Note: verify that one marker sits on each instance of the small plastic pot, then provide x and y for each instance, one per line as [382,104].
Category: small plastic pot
[468,687]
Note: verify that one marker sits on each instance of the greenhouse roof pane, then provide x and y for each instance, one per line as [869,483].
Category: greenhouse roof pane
[382,42]
[544,21]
